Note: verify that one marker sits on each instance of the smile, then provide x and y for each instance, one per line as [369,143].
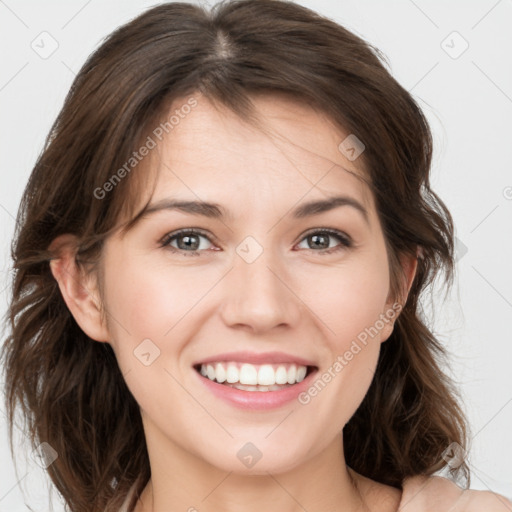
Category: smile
[253,381]
[252,377]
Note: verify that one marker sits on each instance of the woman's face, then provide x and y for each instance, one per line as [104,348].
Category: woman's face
[262,283]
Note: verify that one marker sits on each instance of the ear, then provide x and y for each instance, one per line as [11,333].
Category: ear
[78,288]
[409,264]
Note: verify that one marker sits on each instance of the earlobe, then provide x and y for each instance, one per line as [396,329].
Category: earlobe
[79,289]
[409,264]
[386,331]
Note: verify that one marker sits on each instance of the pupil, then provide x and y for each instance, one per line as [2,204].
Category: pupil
[187,244]
[315,238]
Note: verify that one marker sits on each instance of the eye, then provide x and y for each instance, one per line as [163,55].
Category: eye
[319,239]
[188,241]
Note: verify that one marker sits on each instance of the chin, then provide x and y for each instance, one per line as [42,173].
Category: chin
[257,458]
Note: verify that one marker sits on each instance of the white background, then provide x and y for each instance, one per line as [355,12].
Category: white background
[468,101]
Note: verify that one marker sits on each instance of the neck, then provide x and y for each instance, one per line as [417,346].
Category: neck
[181,481]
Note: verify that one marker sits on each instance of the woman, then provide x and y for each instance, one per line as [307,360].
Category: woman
[219,258]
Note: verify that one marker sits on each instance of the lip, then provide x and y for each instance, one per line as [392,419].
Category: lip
[255,358]
[257,400]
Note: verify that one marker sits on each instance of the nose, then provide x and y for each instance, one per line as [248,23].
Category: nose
[259,296]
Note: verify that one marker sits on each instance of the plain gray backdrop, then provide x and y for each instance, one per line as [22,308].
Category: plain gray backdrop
[454,58]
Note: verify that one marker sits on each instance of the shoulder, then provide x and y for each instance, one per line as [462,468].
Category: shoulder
[427,493]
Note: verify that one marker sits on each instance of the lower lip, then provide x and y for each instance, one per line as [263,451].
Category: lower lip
[256,400]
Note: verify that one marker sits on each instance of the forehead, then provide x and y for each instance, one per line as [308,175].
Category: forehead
[212,154]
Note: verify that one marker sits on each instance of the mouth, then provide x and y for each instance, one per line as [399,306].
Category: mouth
[266,377]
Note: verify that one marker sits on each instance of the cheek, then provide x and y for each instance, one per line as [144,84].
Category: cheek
[349,299]
[147,298]
[138,301]
[349,310]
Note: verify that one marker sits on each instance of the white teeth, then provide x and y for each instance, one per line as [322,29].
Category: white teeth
[266,375]
[281,375]
[232,374]
[292,374]
[301,373]
[250,377]
[275,387]
[220,373]
[248,374]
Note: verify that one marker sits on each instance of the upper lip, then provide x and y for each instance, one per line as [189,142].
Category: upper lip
[256,358]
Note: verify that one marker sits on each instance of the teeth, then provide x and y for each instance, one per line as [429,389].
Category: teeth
[252,377]
[292,374]
[248,374]
[232,374]
[220,373]
[275,387]
[266,375]
[281,375]
[301,373]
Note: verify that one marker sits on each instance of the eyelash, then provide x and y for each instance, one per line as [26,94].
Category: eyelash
[346,241]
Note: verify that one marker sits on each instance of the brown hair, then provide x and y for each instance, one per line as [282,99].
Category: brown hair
[70,389]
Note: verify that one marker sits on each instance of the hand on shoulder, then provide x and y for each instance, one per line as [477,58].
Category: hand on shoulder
[438,494]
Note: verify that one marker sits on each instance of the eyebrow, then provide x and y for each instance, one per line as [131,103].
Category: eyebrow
[216,211]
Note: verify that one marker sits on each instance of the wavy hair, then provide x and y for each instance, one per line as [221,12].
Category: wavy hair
[68,387]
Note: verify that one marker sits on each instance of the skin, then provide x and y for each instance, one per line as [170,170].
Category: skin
[292,299]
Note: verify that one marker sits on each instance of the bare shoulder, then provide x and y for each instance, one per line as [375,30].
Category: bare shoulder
[426,493]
